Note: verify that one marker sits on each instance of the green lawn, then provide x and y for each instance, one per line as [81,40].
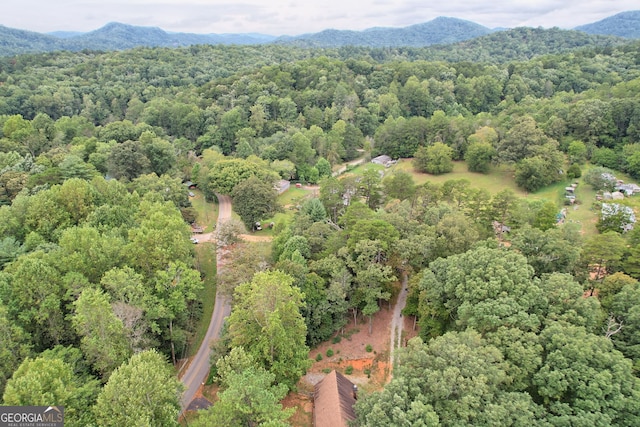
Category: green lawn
[498,179]
[501,178]
[207,212]
[289,200]
[294,196]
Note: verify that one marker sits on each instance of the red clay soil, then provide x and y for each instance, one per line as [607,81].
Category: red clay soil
[370,369]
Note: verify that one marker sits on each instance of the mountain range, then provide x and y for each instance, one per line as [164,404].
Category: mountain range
[442,30]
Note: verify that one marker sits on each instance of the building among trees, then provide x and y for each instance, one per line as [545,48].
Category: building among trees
[333,401]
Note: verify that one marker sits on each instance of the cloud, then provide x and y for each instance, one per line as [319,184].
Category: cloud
[292,17]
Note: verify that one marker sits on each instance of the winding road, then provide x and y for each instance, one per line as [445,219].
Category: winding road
[198,369]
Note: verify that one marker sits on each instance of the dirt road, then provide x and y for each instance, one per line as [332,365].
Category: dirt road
[198,370]
[397,322]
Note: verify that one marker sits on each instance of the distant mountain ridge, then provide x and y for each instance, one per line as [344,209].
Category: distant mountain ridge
[442,30]
[624,24]
[439,31]
[113,36]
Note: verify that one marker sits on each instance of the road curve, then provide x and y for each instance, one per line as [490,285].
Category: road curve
[198,369]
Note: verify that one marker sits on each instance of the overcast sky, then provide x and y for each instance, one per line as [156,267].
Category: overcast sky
[293,17]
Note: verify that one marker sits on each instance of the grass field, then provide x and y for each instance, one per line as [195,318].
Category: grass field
[501,178]
[207,213]
[497,180]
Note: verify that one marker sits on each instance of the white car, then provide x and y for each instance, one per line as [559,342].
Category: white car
[194,240]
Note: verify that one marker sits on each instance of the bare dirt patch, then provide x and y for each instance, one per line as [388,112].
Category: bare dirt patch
[361,356]
[254,238]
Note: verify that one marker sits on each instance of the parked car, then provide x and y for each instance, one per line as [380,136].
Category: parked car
[194,240]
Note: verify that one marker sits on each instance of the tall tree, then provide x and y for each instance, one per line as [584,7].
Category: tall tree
[50,381]
[456,379]
[584,381]
[249,396]
[254,200]
[266,320]
[103,337]
[144,391]
[14,346]
[435,159]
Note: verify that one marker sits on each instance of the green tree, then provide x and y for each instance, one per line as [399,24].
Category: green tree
[331,192]
[254,200]
[161,153]
[457,379]
[50,381]
[14,346]
[370,187]
[227,173]
[144,391]
[521,140]
[479,156]
[103,338]
[483,288]
[266,320]
[545,217]
[577,152]
[127,161]
[584,380]
[35,297]
[249,396]
[161,238]
[171,189]
[625,311]
[399,185]
[314,209]
[603,253]
[553,250]
[324,167]
[435,159]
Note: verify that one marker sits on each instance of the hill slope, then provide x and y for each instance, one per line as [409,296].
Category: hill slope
[625,24]
[14,42]
[520,44]
[438,31]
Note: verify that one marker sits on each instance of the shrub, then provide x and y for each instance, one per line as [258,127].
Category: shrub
[326,370]
[368,348]
[336,339]
[319,357]
[574,171]
[329,353]
[348,370]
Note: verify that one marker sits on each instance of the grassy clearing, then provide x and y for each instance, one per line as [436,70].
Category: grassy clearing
[295,196]
[207,212]
[289,200]
[502,178]
[359,170]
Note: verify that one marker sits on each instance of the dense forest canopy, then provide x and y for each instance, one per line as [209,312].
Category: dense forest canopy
[97,274]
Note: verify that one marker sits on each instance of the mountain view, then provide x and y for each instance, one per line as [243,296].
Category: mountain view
[424,225]
[442,30]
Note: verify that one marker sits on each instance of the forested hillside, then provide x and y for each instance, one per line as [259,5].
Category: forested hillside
[439,31]
[625,24]
[536,324]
